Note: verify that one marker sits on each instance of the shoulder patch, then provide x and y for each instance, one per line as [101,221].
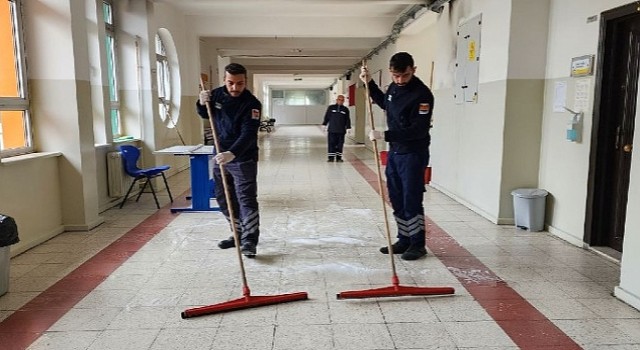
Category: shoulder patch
[424,108]
[255,114]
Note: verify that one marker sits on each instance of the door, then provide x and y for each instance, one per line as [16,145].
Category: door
[614,128]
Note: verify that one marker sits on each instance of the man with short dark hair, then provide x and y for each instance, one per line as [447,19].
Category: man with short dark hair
[408,103]
[236,117]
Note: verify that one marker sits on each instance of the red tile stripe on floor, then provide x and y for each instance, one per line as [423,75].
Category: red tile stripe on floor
[520,320]
[26,325]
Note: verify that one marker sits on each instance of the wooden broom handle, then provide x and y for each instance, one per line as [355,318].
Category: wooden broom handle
[227,195]
[379,173]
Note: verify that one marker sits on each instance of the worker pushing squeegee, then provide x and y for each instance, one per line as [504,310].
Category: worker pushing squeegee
[234,117]
[408,103]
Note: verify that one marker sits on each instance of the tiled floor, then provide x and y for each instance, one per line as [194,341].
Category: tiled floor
[125,284]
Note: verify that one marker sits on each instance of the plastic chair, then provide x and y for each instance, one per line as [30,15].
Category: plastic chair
[267,125]
[130,156]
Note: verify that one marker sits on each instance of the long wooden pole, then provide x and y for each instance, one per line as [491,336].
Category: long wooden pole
[227,195]
[379,173]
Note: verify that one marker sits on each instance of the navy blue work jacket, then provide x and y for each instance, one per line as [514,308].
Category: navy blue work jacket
[236,120]
[409,109]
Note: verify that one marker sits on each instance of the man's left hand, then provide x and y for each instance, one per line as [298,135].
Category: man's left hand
[224,157]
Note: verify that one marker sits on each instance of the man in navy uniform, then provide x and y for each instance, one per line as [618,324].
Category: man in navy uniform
[337,118]
[408,103]
[236,116]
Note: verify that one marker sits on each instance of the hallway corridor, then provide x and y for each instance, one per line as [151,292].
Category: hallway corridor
[124,284]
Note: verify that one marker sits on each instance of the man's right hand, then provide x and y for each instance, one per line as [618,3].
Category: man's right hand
[364,74]
[205,95]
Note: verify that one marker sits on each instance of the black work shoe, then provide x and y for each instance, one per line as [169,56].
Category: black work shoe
[414,252]
[248,249]
[227,243]
[398,248]
[330,159]
[339,160]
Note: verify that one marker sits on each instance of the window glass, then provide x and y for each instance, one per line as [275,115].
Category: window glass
[299,97]
[112,69]
[163,76]
[15,134]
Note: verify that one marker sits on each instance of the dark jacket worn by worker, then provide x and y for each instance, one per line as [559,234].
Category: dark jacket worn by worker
[337,117]
[236,120]
[409,110]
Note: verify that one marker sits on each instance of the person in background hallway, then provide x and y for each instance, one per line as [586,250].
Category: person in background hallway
[236,115]
[337,118]
[408,103]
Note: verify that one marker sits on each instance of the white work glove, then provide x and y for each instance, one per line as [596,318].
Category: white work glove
[364,74]
[348,131]
[325,127]
[205,95]
[376,135]
[224,157]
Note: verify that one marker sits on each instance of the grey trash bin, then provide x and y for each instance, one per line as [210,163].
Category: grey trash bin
[4,270]
[528,208]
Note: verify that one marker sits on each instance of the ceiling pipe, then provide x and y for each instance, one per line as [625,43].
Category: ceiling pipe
[412,14]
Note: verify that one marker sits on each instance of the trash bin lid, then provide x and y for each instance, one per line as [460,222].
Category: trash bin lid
[529,193]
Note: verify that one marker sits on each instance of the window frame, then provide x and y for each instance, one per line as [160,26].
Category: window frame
[111,52]
[298,97]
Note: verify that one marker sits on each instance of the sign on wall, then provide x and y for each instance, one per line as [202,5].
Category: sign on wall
[468,61]
[582,66]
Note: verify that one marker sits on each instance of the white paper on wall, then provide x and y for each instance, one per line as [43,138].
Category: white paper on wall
[560,96]
[581,99]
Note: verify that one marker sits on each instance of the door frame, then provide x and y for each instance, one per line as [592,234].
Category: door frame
[595,179]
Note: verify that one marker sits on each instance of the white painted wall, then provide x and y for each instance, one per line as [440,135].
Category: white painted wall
[629,288]
[68,186]
[468,139]
[61,100]
[564,165]
[36,207]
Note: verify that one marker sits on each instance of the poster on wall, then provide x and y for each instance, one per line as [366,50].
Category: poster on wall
[581,98]
[559,96]
[582,66]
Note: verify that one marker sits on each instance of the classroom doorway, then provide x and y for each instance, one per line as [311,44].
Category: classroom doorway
[616,98]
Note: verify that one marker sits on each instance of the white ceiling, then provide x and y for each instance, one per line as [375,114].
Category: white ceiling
[312,41]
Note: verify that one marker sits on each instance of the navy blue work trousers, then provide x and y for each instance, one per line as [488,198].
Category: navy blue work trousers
[335,143]
[242,186]
[405,184]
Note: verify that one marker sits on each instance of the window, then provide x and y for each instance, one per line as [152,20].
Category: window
[164,80]
[112,69]
[299,97]
[15,128]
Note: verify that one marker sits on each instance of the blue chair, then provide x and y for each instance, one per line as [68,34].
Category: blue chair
[130,156]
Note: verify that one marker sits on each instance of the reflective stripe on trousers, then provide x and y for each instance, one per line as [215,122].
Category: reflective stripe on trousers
[243,190]
[405,184]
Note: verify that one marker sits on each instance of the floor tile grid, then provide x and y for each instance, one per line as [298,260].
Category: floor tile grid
[296,225]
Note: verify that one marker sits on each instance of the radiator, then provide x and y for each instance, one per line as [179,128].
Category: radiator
[118,180]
